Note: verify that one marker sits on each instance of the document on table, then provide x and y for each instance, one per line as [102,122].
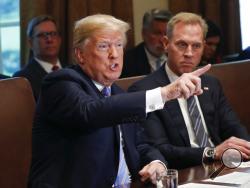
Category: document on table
[235,179]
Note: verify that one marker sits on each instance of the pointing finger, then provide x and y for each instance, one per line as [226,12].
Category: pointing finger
[202,70]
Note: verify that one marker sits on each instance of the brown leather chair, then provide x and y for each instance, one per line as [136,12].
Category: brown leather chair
[17,107]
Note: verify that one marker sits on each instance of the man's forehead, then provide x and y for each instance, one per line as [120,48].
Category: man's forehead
[45,26]
[182,29]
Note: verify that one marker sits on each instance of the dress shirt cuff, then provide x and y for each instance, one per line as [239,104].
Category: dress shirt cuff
[158,161]
[154,100]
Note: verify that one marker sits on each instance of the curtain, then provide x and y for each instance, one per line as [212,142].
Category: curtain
[66,12]
[225,13]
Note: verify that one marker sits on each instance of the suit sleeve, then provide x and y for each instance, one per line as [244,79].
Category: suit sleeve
[67,102]
[176,156]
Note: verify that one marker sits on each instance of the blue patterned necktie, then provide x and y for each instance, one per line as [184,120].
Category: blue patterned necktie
[123,172]
[195,116]
[106,91]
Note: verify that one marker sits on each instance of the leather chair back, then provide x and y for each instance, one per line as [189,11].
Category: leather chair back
[17,107]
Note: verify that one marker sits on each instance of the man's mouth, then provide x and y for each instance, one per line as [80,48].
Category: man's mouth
[114,66]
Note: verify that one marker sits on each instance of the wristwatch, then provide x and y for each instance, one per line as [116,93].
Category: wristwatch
[209,154]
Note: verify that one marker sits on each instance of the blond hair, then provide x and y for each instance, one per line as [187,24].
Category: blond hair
[186,18]
[88,26]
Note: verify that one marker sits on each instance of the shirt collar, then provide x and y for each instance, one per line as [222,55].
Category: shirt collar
[171,75]
[99,86]
[152,59]
[47,66]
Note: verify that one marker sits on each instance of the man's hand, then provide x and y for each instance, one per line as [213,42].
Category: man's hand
[151,170]
[242,145]
[186,85]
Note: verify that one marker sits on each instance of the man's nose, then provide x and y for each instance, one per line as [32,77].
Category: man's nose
[188,51]
[113,52]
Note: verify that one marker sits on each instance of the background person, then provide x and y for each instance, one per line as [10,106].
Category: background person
[44,41]
[149,55]
[213,45]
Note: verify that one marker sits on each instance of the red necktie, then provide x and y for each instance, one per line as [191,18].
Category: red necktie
[55,68]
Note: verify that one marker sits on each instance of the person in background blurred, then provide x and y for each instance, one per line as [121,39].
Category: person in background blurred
[149,55]
[44,41]
[212,48]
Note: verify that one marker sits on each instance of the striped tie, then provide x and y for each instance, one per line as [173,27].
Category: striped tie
[123,176]
[195,116]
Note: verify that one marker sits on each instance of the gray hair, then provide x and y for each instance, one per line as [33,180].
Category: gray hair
[155,14]
[36,21]
[88,26]
[186,18]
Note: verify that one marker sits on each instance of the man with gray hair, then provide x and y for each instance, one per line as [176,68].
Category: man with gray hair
[44,41]
[149,55]
[85,132]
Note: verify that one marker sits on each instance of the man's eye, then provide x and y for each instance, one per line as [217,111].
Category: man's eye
[182,45]
[119,45]
[102,46]
[196,46]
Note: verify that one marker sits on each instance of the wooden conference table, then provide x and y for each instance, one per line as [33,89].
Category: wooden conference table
[194,174]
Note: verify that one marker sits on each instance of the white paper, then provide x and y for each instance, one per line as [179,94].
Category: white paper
[245,164]
[199,185]
[240,178]
[237,179]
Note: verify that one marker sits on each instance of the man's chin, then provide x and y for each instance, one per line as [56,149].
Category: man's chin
[187,69]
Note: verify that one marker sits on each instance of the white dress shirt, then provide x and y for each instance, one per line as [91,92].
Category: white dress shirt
[152,60]
[48,66]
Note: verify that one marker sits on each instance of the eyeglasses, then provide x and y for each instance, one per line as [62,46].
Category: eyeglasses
[45,35]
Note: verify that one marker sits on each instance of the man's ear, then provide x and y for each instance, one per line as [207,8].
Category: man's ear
[30,43]
[165,42]
[79,55]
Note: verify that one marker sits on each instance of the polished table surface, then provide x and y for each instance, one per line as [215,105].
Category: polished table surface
[194,174]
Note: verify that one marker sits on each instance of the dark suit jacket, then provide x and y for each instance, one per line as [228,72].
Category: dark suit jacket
[135,62]
[35,73]
[75,137]
[167,129]
[3,76]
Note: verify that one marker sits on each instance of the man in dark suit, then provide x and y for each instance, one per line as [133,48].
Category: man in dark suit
[149,55]
[172,129]
[44,41]
[81,134]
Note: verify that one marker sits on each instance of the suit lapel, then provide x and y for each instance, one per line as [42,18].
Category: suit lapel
[172,108]
[208,108]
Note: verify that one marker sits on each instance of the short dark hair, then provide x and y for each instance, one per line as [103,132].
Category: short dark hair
[213,29]
[36,21]
[155,14]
